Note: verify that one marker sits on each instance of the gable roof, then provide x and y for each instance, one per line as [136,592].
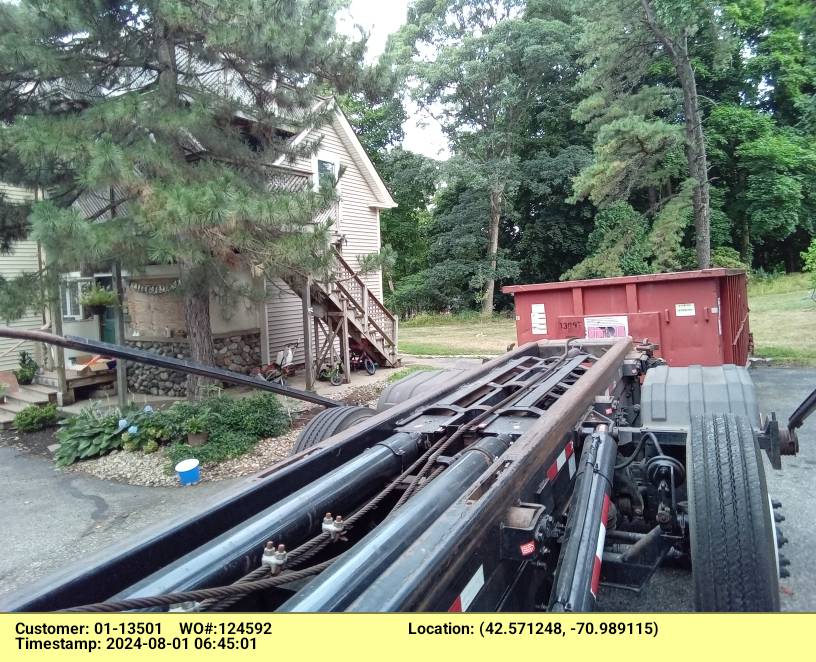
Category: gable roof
[351,142]
[358,153]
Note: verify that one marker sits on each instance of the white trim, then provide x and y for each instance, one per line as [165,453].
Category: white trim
[334,159]
[379,243]
[375,182]
[299,138]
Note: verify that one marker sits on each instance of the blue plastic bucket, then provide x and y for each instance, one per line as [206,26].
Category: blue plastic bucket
[189,473]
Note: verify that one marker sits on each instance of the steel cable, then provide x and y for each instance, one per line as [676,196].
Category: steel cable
[218,592]
[532,381]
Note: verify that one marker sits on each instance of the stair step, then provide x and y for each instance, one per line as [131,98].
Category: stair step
[39,388]
[28,397]
[6,419]
[46,381]
[13,407]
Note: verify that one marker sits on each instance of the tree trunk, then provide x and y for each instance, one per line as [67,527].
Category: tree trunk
[746,249]
[55,303]
[202,350]
[697,161]
[166,57]
[695,141]
[492,250]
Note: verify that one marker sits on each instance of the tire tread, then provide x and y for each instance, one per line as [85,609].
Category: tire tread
[731,540]
[329,422]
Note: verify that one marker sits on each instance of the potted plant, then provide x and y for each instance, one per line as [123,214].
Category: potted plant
[196,429]
[96,298]
[28,369]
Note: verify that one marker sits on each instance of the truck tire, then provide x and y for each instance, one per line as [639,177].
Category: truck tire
[733,541]
[329,422]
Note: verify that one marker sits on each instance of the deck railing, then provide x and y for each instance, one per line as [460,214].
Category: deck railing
[368,308]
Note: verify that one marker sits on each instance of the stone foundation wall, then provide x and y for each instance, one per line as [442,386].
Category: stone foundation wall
[237,351]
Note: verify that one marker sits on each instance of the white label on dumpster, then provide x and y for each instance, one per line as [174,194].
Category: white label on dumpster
[684,310]
[538,319]
[610,326]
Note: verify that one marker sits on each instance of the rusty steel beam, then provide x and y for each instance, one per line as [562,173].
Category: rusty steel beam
[148,358]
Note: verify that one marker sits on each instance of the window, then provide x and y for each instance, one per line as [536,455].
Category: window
[72,289]
[326,169]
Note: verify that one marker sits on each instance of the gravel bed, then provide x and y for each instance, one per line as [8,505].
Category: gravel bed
[134,468]
[137,468]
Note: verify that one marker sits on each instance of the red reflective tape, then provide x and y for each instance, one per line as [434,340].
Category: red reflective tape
[605,510]
[570,449]
[457,604]
[596,577]
[596,568]
[552,472]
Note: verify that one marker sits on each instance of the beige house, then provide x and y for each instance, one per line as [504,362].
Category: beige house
[247,333]
[24,257]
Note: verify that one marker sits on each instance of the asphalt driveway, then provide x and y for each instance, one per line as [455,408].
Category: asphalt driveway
[51,519]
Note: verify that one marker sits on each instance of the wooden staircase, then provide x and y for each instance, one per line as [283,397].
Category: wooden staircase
[345,306]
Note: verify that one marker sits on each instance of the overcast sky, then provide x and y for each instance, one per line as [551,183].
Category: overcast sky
[380,18]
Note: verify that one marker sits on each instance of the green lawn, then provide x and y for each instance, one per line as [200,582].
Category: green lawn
[783,321]
[455,335]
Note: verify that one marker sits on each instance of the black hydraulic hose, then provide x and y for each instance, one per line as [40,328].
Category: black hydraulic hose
[628,460]
[805,409]
[357,568]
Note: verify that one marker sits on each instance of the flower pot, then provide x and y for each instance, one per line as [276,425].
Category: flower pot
[197,438]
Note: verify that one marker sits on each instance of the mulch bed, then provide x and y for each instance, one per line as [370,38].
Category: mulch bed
[36,443]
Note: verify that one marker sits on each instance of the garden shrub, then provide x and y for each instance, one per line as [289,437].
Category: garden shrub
[234,427]
[36,417]
[88,434]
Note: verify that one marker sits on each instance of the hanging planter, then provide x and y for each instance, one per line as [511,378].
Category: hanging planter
[97,299]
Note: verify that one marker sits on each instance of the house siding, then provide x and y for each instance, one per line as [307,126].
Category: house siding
[358,220]
[22,258]
[284,320]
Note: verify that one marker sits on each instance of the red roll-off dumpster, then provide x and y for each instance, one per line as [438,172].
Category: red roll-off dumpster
[697,317]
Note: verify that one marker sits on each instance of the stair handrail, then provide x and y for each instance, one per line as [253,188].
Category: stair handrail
[373,300]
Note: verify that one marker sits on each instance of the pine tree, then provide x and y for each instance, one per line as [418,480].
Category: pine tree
[632,49]
[170,119]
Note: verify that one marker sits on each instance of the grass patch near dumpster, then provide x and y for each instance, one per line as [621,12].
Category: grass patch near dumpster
[457,335]
[411,369]
[783,315]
